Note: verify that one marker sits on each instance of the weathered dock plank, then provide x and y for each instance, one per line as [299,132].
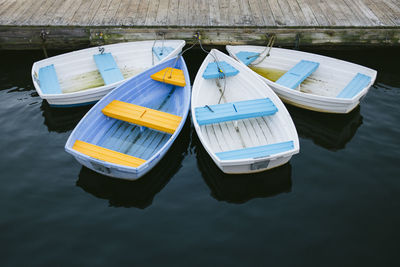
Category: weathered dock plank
[305,22]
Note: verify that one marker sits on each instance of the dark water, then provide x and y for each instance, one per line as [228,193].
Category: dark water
[336,203]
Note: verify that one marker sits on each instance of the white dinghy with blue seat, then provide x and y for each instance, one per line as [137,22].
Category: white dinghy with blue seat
[308,80]
[240,121]
[83,77]
[129,130]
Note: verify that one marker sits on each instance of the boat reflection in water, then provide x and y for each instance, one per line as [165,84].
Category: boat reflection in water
[330,131]
[138,193]
[240,188]
[62,120]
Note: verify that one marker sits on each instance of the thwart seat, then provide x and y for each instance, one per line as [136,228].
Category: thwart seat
[296,75]
[235,111]
[107,155]
[247,57]
[162,51]
[220,70]
[151,118]
[48,80]
[359,82]
[171,76]
[256,152]
[108,68]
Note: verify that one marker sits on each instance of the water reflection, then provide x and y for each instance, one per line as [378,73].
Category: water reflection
[235,188]
[139,193]
[330,131]
[62,119]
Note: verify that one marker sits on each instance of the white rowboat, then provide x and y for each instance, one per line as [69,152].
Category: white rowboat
[85,76]
[308,80]
[247,129]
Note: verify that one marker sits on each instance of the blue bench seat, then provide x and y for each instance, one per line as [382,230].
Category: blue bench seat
[296,75]
[359,82]
[235,111]
[162,51]
[48,80]
[247,57]
[108,68]
[212,71]
[256,152]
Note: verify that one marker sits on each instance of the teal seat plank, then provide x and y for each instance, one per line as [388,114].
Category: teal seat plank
[108,68]
[225,69]
[359,82]
[48,80]
[235,111]
[162,51]
[256,152]
[296,75]
[247,57]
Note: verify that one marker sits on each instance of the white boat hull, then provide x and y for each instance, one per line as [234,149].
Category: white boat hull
[318,92]
[80,82]
[245,133]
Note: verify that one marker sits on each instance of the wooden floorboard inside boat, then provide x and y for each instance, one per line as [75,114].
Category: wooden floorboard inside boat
[307,22]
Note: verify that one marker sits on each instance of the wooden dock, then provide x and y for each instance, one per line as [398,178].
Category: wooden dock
[26,24]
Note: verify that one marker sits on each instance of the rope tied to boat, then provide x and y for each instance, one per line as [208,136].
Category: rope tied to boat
[220,69]
[266,51]
[43,35]
[100,42]
[154,44]
[181,54]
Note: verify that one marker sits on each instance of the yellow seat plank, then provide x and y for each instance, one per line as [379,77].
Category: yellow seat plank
[174,77]
[151,118]
[107,155]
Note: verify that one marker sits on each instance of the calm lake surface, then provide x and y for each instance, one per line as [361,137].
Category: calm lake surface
[337,203]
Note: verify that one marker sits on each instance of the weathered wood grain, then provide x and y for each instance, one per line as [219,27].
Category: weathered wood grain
[81,16]
[173,11]
[142,12]
[374,22]
[128,14]
[152,13]
[309,16]
[108,18]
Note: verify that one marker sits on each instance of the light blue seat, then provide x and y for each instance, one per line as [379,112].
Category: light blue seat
[235,111]
[212,71]
[359,82]
[296,75]
[48,80]
[108,68]
[247,57]
[162,51]
[256,152]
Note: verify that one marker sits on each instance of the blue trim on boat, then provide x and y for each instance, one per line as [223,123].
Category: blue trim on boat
[296,75]
[108,68]
[256,152]
[247,57]
[162,51]
[359,82]
[48,80]
[212,71]
[235,111]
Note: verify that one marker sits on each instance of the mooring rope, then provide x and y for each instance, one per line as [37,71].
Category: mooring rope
[220,69]
[269,46]
[178,56]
